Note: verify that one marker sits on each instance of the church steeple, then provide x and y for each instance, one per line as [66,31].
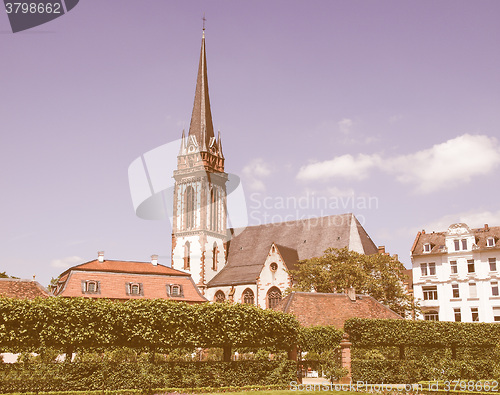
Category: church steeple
[199,227]
[201,120]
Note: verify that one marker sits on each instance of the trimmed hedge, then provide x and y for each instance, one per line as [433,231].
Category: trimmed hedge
[69,324]
[372,333]
[101,376]
[319,338]
[396,371]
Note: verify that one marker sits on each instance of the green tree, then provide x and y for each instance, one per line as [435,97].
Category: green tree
[380,276]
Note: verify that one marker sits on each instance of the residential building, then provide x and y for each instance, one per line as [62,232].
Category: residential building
[122,280]
[455,274]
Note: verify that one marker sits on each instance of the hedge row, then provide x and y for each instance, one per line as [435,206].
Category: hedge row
[396,371]
[162,325]
[36,377]
[319,338]
[373,333]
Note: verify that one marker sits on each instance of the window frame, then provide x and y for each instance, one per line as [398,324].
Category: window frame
[469,263]
[458,314]
[431,315]
[129,287]
[472,290]
[248,296]
[493,264]
[474,311]
[454,267]
[455,289]
[272,299]
[430,292]
[494,288]
[86,290]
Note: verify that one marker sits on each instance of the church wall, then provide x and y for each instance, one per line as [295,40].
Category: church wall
[238,292]
[196,252]
[269,278]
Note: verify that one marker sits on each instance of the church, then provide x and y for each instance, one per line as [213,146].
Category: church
[247,265]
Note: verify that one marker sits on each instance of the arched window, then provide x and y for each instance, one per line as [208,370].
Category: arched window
[215,251]
[248,297]
[220,296]
[187,255]
[273,297]
[189,205]
[214,223]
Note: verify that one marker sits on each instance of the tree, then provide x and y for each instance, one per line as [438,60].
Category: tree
[378,275]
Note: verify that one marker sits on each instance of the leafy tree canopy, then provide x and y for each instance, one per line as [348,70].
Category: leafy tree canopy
[380,276]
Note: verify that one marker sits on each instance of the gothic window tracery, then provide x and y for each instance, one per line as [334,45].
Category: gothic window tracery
[273,297]
[248,297]
[214,256]
[220,297]
[187,255]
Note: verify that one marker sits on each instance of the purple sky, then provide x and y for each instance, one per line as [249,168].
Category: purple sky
[391,104]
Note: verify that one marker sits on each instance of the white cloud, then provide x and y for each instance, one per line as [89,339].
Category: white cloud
[254,174]
[446,165]
[345,166]
[395,118]
[473,218]
[340,192]
[345,125]
[66,262]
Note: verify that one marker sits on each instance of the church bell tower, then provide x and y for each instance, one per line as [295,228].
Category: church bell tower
[199,224]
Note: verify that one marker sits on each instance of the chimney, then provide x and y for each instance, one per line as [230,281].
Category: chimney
[381,249]
[100,256]
[395,257]
[351,293]
[34,275]
[423,231]
[486,227]
[154,260]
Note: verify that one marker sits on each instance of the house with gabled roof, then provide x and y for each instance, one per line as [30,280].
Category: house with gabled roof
[122,280]
[22,289]
[456,273]
[314,308]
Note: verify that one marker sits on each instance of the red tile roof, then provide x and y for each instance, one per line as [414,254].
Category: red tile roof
[314,308]
[112,279]
[21,289]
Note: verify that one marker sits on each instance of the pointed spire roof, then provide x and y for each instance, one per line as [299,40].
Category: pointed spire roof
[201,120]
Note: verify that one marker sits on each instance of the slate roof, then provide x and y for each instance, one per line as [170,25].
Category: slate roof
[201,118]
[312,308]
[437,240]
[302,239]
[21,289]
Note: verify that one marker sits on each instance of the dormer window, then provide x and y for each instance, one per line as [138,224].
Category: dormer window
[490,242]
[91,287]
[427,247]
[134,289]
[175,291]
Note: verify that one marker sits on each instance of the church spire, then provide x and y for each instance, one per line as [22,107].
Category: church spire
[201,120]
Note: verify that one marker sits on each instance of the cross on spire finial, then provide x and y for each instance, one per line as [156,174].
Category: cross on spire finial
[204,20]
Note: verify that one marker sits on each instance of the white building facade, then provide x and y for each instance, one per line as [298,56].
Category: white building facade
[456,274]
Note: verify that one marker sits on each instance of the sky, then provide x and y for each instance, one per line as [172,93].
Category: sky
[387,109]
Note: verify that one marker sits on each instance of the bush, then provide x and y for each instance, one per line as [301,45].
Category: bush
[108,375]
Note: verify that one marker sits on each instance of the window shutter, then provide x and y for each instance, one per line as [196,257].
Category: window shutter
[141,289]
[84,286]
[181,291]
[99,287]
[168,289]
[127,288]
